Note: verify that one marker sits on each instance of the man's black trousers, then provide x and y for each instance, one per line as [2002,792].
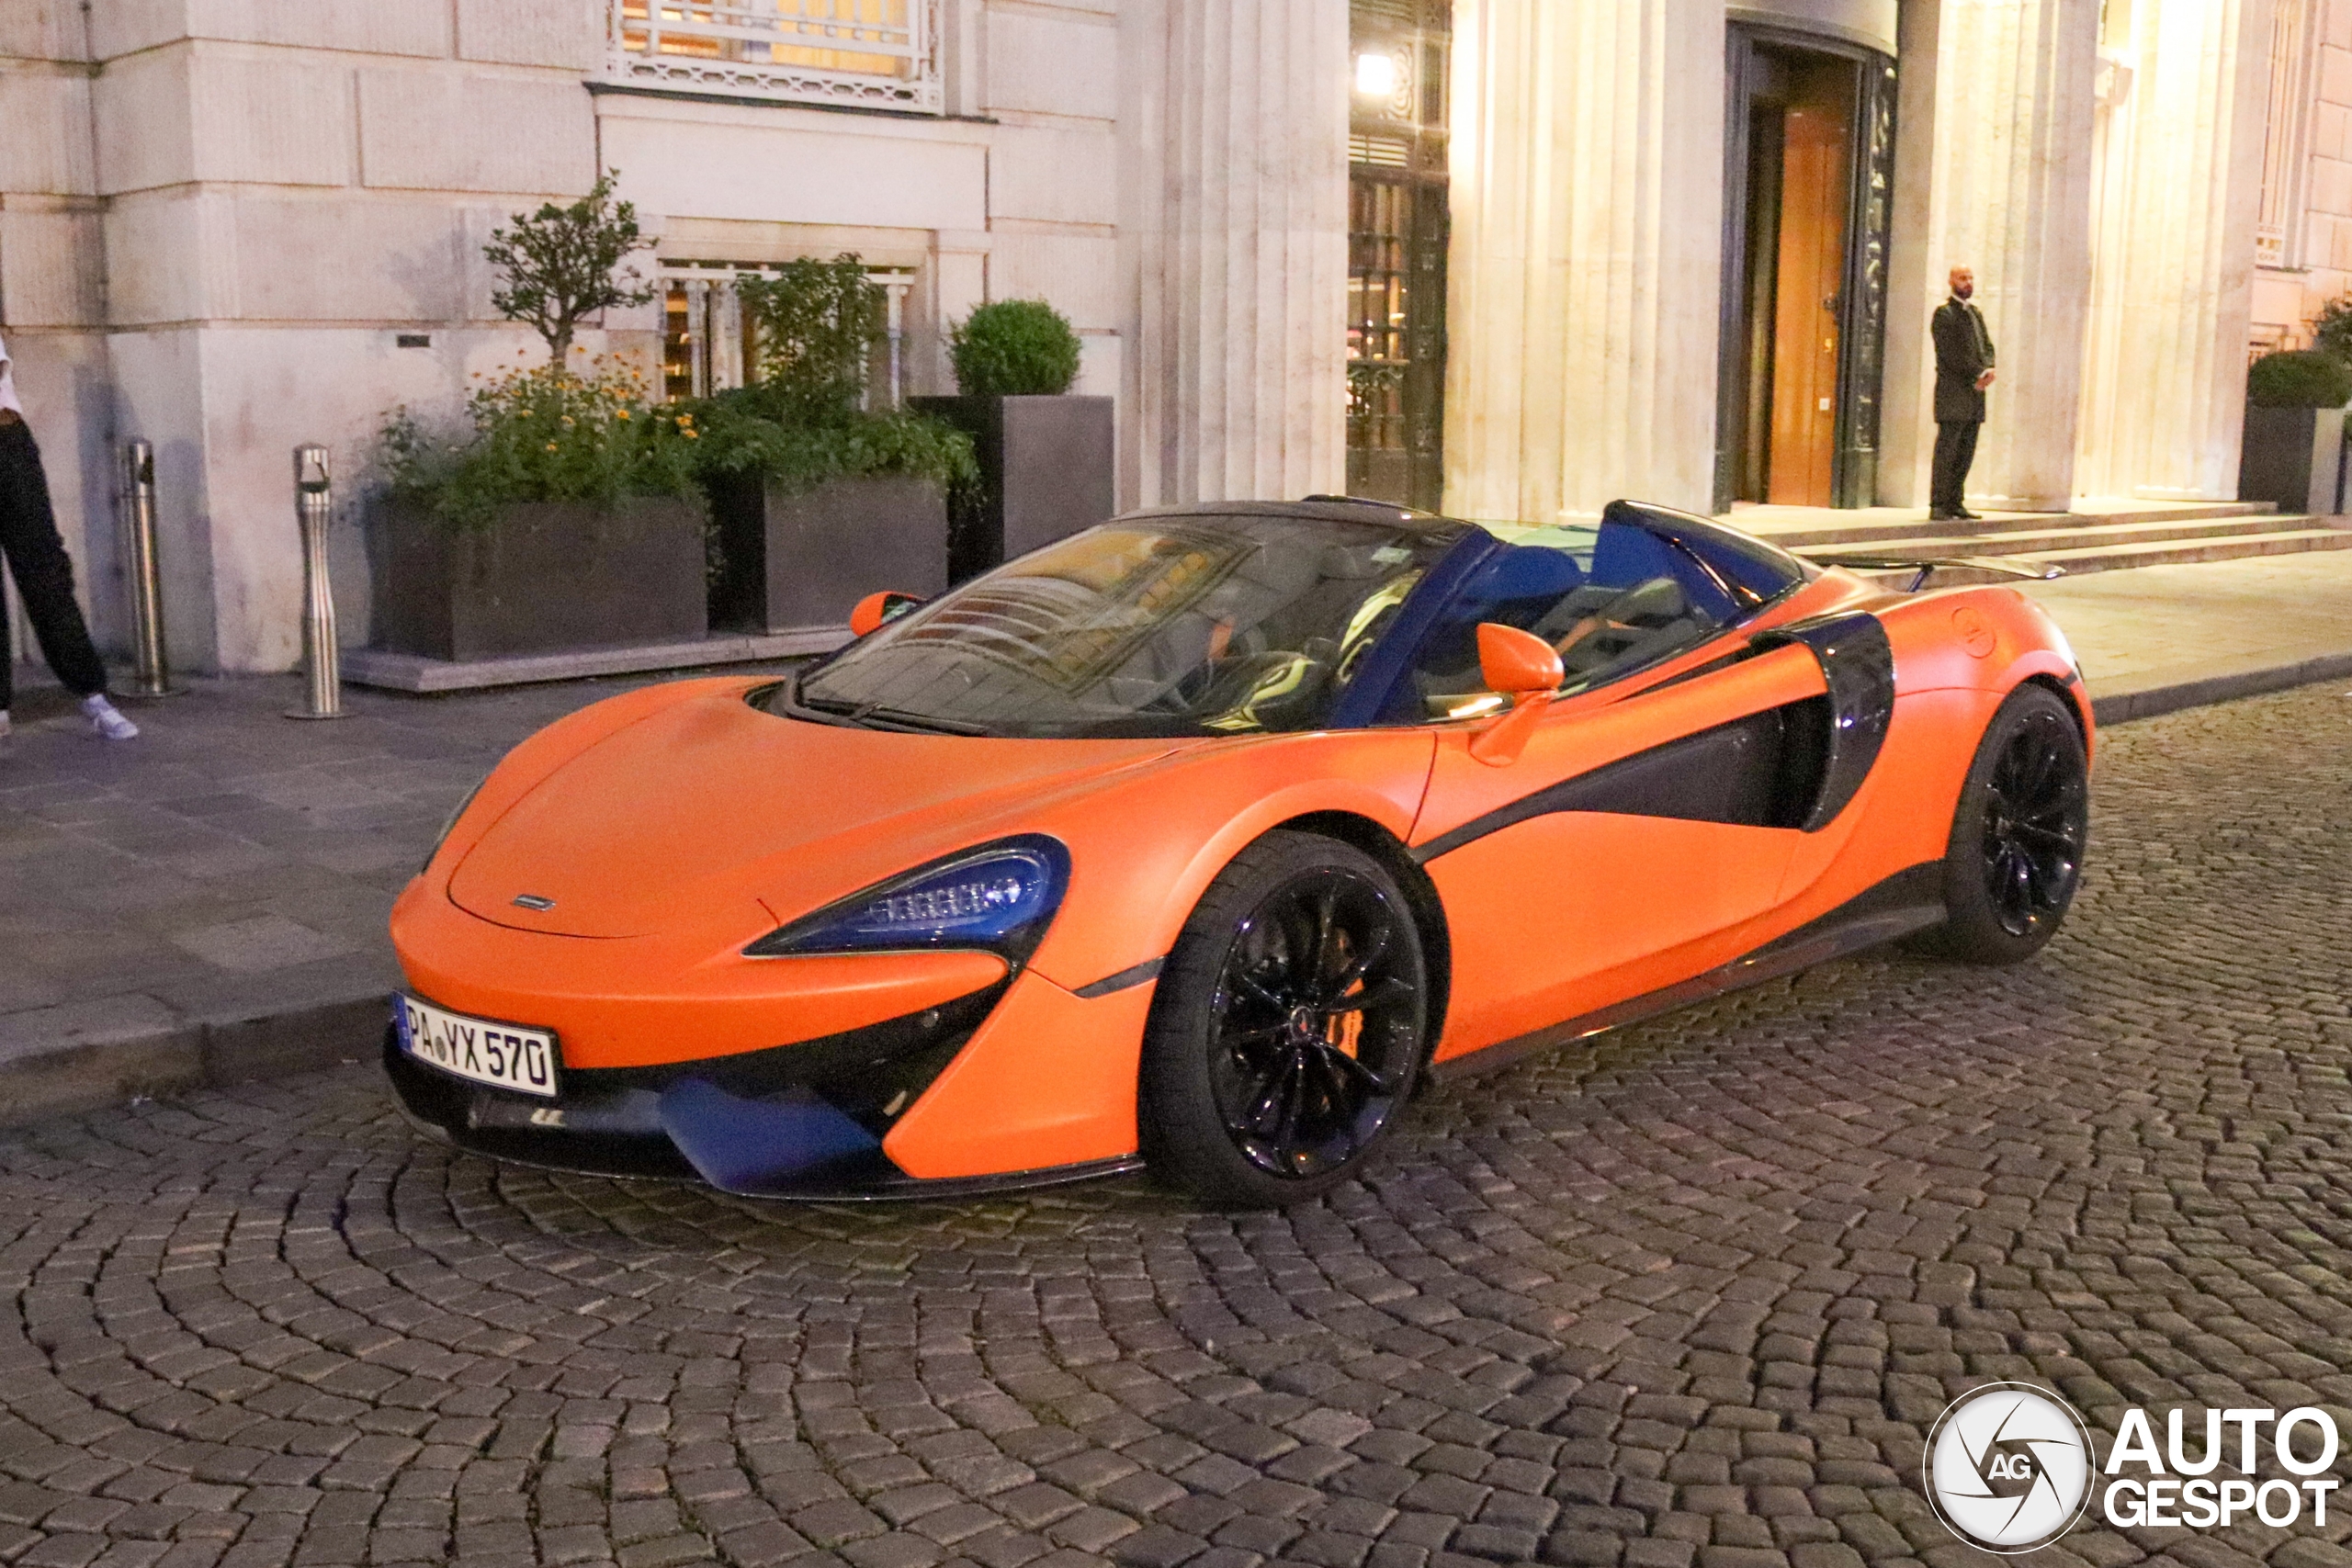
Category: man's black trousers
[1955,453]
[44,574]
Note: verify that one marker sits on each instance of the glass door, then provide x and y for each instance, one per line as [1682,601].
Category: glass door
[1396,242]
[1810,176]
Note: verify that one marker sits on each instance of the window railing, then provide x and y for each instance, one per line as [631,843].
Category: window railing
[873,53]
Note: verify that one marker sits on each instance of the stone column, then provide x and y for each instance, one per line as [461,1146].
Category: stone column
[1587,176]
[2187,96]
[1907,419]
[2010,197]
[1235,147]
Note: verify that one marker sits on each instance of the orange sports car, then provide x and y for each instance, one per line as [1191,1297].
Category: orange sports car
[1197,839]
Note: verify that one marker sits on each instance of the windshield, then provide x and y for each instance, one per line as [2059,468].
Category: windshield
[1171,624]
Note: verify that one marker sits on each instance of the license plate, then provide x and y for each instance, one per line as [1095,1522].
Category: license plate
[501,1055]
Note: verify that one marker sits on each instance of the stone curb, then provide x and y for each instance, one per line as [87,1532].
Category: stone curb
[84,1056]
[2123,705]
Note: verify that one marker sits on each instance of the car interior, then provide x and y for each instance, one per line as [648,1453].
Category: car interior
[1610,600]
[1225,630]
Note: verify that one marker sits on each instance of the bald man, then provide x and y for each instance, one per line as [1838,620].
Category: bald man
[1963,369]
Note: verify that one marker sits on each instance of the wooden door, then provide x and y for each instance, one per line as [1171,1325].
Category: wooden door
[1815,191]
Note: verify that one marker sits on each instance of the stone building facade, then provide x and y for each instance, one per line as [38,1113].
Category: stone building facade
[2303,226]
[1514,257]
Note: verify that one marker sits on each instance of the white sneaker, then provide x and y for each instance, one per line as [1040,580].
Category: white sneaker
[106,720]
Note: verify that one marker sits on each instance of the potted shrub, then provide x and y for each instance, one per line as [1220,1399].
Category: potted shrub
[563,512]
[567,516]
[2291,453]
[1045,458]
[816,500]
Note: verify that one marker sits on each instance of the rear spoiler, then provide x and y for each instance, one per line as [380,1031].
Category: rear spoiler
[2040,572]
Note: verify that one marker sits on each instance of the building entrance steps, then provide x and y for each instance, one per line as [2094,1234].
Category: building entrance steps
[2097,536]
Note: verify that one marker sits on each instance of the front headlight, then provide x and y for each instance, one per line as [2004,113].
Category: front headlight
[997,897]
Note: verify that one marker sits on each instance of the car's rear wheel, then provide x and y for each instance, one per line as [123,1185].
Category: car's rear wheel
[2016,854]
[1288,1027]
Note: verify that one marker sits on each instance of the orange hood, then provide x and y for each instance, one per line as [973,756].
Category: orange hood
[710,805]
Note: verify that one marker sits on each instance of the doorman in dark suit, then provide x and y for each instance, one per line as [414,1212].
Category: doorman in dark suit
[1963,369]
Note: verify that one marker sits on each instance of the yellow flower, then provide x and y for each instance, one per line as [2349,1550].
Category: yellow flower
[550,446]
[694,434]
[620,413]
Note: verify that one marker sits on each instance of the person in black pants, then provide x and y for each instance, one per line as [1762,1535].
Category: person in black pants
[44,574]
[1963,369]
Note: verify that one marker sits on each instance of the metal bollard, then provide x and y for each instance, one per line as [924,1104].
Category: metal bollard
[152,675]
[322,658]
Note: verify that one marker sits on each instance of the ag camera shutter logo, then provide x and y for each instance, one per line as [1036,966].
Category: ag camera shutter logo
[2008,1467]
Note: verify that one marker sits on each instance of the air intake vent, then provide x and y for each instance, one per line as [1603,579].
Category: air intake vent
[1380,152]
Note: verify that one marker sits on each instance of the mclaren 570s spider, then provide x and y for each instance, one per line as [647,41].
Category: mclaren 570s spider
[1195,840]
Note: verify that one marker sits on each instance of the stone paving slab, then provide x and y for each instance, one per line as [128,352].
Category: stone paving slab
[2166,637]
[1688,1296]
[206,904]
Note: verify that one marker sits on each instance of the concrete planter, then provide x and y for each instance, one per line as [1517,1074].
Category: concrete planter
[794,562]
[2292,458]
[543,577]
[1046,471]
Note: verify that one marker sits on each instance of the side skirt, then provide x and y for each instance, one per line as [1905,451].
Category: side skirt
[1910,900]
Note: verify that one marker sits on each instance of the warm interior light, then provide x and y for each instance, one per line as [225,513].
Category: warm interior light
[1377,74]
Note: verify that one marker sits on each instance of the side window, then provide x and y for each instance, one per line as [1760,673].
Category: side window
[1612,599]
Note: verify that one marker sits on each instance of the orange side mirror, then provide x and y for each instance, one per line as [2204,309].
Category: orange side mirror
[1524,667]
[876,610]
[1515,662]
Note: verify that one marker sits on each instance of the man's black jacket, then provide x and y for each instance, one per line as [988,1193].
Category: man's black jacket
[1963,351]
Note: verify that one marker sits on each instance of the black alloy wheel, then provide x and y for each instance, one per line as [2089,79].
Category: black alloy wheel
[1289,1026]
[2034,824]
[2018,840]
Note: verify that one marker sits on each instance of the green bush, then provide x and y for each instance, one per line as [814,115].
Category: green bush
[2298,378]
[814,328]
[769,431]
[2332,329]
[543,434]
[1014,348]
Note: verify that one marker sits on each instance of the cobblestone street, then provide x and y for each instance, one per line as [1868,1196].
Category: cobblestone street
[1692,1293]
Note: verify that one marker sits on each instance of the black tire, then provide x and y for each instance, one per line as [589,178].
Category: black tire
[1289,1027]
[2016,854]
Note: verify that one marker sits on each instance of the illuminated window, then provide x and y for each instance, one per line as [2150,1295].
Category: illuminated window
[881,53]
[2114,24]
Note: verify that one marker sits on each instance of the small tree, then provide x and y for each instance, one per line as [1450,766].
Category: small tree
[562,264]
[815,326]
[2332,333]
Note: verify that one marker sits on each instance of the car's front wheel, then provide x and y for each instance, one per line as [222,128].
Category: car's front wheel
[2016,854]
[1288,1027]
